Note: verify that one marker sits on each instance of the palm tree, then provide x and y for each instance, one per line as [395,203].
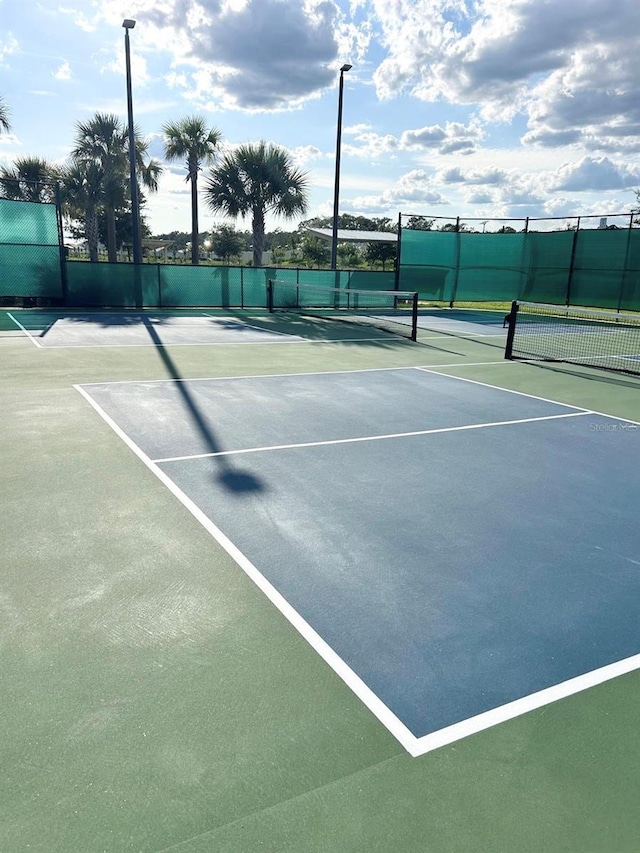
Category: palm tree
[82,196]
[104,140]
[257,179]
[5,124]
[191,139]
[30,179]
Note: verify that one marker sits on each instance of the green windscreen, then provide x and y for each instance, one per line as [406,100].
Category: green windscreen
[597,268]
[428,263]
[178,286]
[111,285]
[29,250]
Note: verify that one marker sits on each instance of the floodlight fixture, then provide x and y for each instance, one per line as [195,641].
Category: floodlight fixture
[128,23]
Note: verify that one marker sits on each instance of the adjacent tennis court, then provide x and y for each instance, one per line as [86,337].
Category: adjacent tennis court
[376,594]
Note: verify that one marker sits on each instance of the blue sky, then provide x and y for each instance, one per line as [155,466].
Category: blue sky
[471,108]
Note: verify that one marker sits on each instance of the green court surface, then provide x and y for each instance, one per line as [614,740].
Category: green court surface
[154,699]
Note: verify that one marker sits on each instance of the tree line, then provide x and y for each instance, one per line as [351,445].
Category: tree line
[255,179]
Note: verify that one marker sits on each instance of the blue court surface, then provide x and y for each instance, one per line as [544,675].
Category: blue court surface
[458,553]
[460,321]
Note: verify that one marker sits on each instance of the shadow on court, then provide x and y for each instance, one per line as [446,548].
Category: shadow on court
[233,479]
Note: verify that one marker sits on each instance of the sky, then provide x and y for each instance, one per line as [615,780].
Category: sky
[473,108]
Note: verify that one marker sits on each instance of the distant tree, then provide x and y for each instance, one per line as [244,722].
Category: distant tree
[30,179]
[451,226]
[506,229]
[348,222]
[104,140]
[123,224]
[379,251]
[81,199]
[315,251]
[256,179]
[419,223]
[349,255]
[176,240]
[5,123]
[278,255]
[191,139]
[226,242]
[278,239]
[637,220]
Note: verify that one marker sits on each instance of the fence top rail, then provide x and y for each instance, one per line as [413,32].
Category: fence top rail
[577,216]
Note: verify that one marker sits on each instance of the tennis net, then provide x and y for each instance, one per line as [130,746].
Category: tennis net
[576,335]
[393,311]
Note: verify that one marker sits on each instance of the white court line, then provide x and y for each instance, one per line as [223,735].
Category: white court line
[291,340]
[524,394]
[350,678]
[27,333]
[370,437]
[308,373]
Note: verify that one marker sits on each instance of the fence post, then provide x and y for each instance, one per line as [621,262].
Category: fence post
[457,273]
[396,283]
[572,262]
[61,247]
[626,264]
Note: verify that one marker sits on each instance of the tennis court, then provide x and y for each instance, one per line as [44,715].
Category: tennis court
[368,595]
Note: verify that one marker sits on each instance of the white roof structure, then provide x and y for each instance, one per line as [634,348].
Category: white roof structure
[351,236]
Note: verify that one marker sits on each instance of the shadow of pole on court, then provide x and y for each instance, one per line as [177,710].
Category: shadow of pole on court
[233,479]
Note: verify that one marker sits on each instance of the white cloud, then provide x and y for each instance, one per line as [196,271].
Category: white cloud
[571,68]
[356,129]
[490,175]
[257,55]
[599,174]
[8,46]
[116,65]
[304,154]
[453,138]
[63,72]
[414,188]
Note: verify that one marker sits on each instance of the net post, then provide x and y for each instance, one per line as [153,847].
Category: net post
[414,317]
[511,319]
[270,296]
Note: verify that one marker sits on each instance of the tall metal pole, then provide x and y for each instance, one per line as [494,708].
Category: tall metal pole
[336,186]
[128,24]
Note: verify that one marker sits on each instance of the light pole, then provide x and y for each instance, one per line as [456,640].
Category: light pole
[129,24]
[336,186]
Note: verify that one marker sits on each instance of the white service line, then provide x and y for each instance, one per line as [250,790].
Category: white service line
[307,373]
[27,333]
[370,437]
